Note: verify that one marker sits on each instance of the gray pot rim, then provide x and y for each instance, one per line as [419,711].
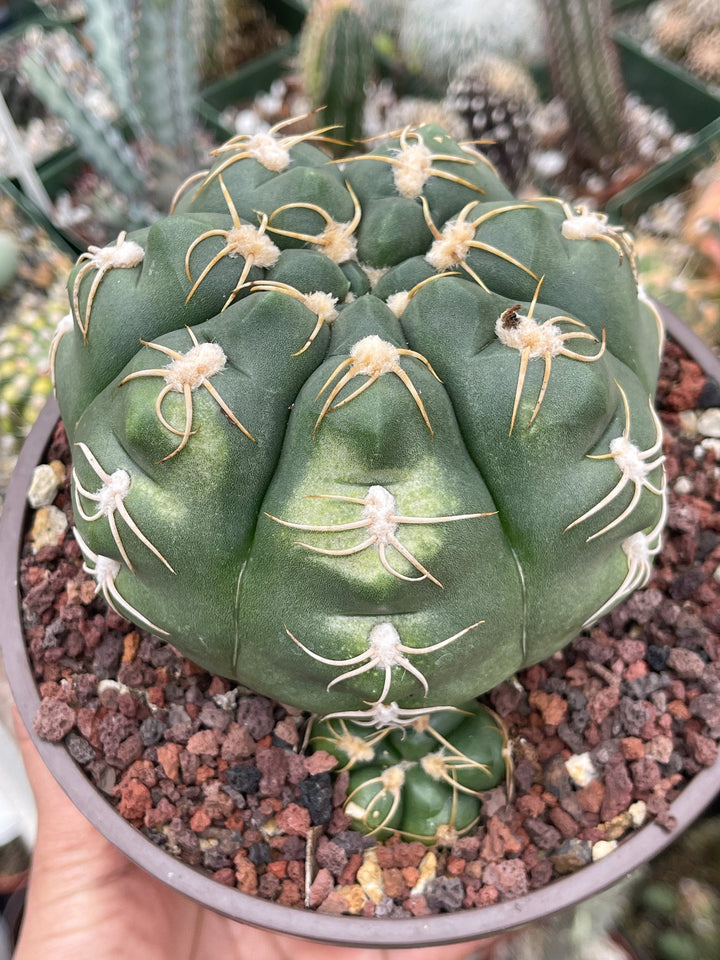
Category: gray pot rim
[353,931]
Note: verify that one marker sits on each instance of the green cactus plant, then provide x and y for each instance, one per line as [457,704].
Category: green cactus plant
[335,61]
[585,71]
[24,374]
[368,438]
[424,782]
[144,71]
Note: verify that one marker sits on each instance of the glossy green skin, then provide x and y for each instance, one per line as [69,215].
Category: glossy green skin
[425,807]
[240,579]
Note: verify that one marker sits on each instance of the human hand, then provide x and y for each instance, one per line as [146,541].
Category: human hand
[86,900]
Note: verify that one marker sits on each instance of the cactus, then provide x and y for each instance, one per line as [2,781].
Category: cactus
[367,438]
[435,45]
[496,97]
[335,61]
[24,374]
[100,140]
[145,61]
[423,783]
[585,71]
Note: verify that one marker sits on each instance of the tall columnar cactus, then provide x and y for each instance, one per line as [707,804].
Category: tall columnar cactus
[144,70]
[368,438]
[585,71]
[335,61]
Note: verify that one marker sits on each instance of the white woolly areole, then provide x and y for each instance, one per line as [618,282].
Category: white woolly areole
[196,366]
[383,644]
[541,340]
[115,488]
[397,302]
[451,248]
[585,226]
[413,169]
[322,305]
[374,274]
[374,356]
[393,778]
[125,254]
[627,457]
[64,326]
[637,549]
[434,765]
[384,714]
[379,510]
[106,569]
[355,747]
[337,244]
[249,241]
[268,151]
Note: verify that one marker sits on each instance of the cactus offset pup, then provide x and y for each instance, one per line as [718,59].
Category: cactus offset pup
[368,438]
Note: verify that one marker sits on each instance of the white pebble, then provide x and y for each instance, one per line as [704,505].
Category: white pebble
[709,422]
[602,848]
[43,486]
[688,422]
[549,163]
[581,769]
[638,812]
[49,525]
[683,485]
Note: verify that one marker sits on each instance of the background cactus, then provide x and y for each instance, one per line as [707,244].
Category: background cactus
[367,437]
[335,61]
[496,98]
[24,376]
[585,72]
[436,46]
[130,102]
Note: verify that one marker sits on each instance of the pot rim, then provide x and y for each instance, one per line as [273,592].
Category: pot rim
[343,930]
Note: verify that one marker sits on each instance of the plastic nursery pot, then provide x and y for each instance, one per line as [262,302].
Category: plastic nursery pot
[465,925]
[691,104]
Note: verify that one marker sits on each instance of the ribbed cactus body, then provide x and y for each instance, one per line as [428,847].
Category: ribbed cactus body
[24,376]
[335,59]
[368,439]
[585,71]
[422,782]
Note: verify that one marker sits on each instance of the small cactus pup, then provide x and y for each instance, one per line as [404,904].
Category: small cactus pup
[367,437]
[422,781]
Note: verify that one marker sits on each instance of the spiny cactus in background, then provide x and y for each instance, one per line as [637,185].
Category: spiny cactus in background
[703,57]
[416,111]
[677,24]
[24,374]
[368,438]
[434,42]
[145,67]
[52,71]
[585,72]
[335,61]
[496,97]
